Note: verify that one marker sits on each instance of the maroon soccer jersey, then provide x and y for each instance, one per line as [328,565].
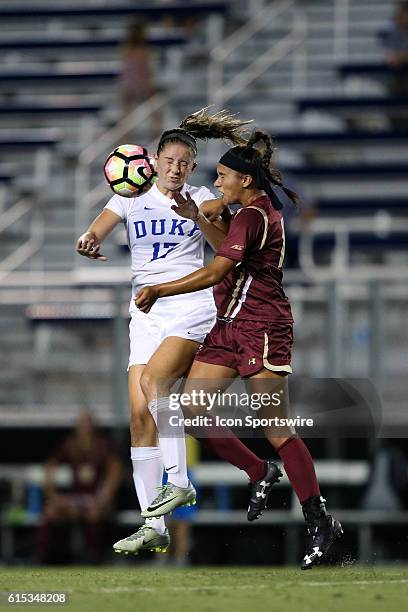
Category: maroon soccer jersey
[253,289]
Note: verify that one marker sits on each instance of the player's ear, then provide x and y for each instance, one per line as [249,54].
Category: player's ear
[247,180]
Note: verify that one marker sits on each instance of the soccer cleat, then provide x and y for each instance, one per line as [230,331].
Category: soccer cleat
[260,491]
[169,498]
[322,531]
[145,538]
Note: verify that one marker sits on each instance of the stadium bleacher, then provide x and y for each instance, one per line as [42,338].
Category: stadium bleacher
[43,77]
[354,104]
[355,207]
[346,138]
[370,69]
[82,43]
[28,139]
[37,110]
[40,11]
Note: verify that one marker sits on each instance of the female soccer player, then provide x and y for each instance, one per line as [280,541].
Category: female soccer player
[253,333]
[163,343]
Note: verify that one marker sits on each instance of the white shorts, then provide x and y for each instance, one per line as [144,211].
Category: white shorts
[187,318]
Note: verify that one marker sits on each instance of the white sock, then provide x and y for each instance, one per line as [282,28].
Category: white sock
[171,440]
[147,475]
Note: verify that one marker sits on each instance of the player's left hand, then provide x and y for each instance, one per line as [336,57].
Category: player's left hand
[213,209]
[146,297]
[186,207]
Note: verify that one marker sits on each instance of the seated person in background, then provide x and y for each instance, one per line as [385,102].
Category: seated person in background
[296,219]
[396,40]
[396,45]
[95,474]
[136,80]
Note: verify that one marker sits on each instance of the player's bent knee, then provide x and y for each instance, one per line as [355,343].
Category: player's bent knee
[148,384]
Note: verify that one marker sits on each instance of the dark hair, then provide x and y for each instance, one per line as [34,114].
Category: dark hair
[136,35]
[202,125]
[251,154]
[177,135]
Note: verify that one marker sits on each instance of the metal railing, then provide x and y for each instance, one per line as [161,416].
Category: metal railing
[219,91]
[26,249]
[341,30]
[379,226]
[21,208]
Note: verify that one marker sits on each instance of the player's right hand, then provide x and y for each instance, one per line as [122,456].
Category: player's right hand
[88,245]
[146,297]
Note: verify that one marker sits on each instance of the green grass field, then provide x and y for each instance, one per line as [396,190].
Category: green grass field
[145,589]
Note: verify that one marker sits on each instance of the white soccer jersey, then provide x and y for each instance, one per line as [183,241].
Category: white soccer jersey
[163,245]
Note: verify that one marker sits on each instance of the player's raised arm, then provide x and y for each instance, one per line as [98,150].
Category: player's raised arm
[90,242]
[218,213]
[206,277]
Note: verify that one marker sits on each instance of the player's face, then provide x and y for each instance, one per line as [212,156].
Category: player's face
[175,163]
[230,183]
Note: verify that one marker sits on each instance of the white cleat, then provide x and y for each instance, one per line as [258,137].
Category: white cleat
[169,498]
[145,538]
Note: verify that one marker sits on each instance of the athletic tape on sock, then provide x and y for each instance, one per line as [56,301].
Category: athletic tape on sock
[143,453]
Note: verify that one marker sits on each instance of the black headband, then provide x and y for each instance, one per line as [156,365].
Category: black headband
[178,134]
[254,169]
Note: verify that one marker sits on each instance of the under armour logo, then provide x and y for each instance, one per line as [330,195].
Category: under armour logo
[264,485]
[316,552]
[237,247]
[252,361]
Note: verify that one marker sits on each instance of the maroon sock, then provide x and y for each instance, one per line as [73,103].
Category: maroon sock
[93,536]
[298,464]
[231,449]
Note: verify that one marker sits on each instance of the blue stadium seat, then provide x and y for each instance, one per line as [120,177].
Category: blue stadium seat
[354,171]
[47,76]
[381,103]
[383,33]
[20,110]
[341,138]
[368,241]
[24,139]
[357,171]
[65,42]
[371,69]
[146,9]
[5,178]
[354,207]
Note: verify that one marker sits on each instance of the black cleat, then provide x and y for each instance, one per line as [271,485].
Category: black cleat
[261,489]
[322,531]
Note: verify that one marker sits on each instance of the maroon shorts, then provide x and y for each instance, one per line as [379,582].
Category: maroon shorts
[249,346]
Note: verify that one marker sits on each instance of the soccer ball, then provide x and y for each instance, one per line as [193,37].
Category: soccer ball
[129,169]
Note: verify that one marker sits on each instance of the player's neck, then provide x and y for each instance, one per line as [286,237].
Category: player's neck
[166,192]
[249,197]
